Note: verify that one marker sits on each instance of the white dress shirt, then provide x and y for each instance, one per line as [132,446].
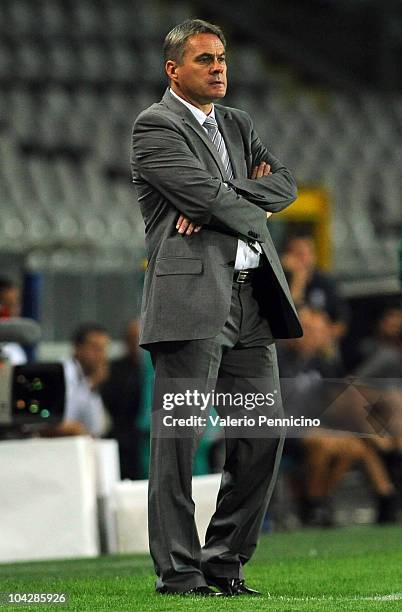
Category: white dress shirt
[246,257]
[82,403]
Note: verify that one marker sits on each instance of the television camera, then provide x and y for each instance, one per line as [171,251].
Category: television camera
[32,395]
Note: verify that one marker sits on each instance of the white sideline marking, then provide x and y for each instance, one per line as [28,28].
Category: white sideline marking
[388,597]
[391,597]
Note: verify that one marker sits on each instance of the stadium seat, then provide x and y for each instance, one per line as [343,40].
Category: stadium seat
[76,75]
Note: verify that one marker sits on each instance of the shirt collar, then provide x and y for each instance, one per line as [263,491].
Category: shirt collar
[198,113]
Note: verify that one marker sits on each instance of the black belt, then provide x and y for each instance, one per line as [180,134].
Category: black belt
[244,276]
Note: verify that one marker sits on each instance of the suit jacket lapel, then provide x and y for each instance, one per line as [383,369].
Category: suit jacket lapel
[233,140]
[188,118]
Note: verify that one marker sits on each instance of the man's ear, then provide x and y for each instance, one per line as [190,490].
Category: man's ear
[171,70]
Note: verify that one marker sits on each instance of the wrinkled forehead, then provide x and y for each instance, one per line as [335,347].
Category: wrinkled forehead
[203,43]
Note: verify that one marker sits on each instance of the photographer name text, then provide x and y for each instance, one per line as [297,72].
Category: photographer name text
[244,421]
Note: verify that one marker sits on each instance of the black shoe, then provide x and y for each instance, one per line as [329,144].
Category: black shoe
[387,507]
[231,586]
[201,591]
[393,461]
[317,512]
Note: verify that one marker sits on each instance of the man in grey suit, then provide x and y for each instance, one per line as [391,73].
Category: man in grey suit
[214,300]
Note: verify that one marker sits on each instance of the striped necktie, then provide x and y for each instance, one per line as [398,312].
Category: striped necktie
[217,138]
[214,134]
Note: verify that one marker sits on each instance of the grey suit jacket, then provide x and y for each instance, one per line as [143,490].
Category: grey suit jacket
[177,169]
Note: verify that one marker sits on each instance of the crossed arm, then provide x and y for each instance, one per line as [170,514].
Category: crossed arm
[185,226]
[166,160]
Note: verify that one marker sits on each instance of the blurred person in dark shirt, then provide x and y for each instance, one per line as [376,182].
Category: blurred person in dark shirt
[312,379]
[310,286]
[383,342]
[380,376]
[122,394]
[314,350]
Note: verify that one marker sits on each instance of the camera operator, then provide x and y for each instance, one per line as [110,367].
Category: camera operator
[84,373]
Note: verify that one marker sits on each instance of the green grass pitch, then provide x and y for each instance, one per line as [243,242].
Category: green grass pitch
[358,568]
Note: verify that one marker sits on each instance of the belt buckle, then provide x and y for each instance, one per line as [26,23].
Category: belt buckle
[241,276]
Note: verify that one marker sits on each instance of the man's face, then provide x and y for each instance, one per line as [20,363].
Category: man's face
[10,299]
[201,77]
[390,324]
[92,353]
[316,331]
[303,250]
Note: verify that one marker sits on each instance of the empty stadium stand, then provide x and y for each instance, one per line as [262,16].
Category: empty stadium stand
[74,74]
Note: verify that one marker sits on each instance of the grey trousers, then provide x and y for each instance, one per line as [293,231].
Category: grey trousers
[243,349]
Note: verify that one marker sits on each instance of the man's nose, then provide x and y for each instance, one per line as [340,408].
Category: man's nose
[217,66]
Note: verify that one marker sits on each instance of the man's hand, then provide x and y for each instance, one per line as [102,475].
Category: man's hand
[99,376]
[66,428]
[262,170]
[185,226]
[258,172]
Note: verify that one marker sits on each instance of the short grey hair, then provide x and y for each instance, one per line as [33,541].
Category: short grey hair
[176,39]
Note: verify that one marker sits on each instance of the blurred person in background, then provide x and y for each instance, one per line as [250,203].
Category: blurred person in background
[122,394]
[312,287]
[383,342]
[303,363]
[381,371]
[322,456]
[314,351]
[10,306]
[85,371]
